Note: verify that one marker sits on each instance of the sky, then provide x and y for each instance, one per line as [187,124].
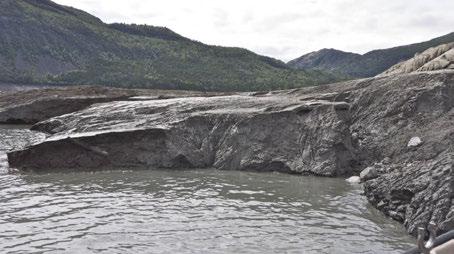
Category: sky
[286,29]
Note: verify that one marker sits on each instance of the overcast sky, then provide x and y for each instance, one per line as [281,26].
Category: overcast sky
[286,29]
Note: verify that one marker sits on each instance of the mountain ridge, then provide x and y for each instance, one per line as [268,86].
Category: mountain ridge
[46,43]
[369,64]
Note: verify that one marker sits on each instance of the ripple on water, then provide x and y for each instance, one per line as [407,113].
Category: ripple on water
[198,211]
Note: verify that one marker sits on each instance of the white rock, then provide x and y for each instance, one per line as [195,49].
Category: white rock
[354,179]
[414,142]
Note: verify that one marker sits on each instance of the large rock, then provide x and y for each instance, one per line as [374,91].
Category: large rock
[368,173]
[328,130]
[269,133]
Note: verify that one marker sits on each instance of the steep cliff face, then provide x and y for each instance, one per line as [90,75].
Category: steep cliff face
[400,125]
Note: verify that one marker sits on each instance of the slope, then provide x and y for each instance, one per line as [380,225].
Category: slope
[43,42]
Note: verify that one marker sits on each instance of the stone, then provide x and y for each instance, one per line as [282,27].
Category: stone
[414,142]
[368,174]
[397,216]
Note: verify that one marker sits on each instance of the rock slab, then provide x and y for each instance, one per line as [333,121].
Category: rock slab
[242,132]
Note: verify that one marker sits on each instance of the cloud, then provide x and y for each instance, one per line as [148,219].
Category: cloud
[286,29]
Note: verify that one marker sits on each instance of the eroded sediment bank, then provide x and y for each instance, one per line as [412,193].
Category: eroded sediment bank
[330,130]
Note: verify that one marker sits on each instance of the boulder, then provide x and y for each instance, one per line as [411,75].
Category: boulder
[368,174]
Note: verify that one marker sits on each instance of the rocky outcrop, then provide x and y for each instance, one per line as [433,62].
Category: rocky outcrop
[417,192]
[408,127]
[331,130]
[436,58]
[29,106]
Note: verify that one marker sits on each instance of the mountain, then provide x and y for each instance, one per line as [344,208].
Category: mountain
[367,65]
[46,43]
[324,59]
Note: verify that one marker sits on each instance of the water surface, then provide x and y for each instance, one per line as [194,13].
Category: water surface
[185,211]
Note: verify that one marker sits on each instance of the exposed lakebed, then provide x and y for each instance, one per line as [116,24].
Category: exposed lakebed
[186,211]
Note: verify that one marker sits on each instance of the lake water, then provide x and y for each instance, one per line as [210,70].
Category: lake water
[185,211]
